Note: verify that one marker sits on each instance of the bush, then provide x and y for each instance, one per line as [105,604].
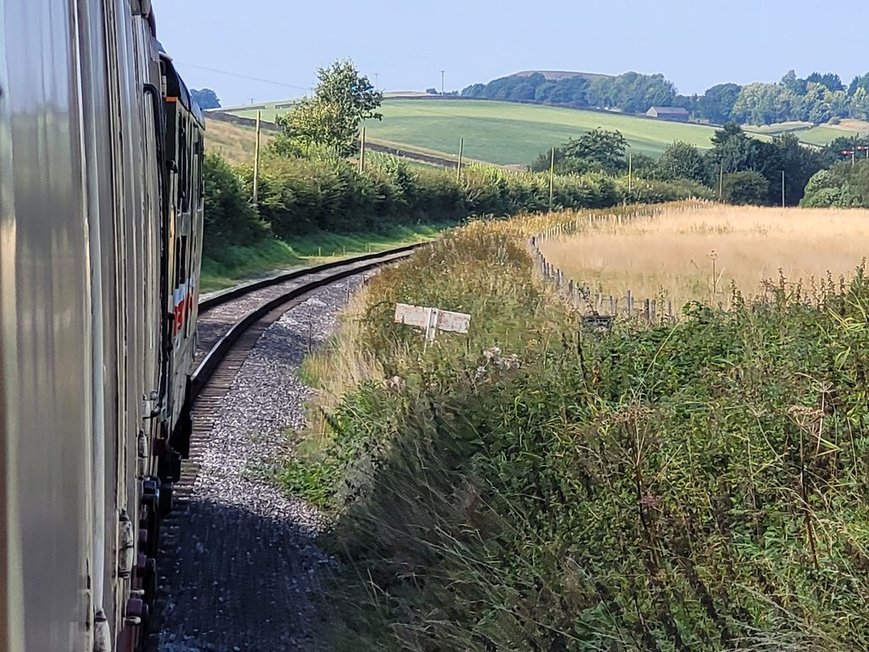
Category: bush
[229,217]
[745,188]
[845,185]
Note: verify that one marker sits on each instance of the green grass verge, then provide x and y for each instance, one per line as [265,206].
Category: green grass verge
[236,264]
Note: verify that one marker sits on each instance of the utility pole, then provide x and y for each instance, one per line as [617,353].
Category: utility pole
[721,182]
[551,178]
[459,166]
[376,85]
[362,151]
[782,188]
[442,81]
[259,115]
[630,172]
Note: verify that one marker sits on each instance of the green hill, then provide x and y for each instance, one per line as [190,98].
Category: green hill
[510,133]
[505,132]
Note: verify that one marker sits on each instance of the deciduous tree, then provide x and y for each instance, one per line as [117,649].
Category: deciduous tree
[205,98]
[683,161]
[330,119]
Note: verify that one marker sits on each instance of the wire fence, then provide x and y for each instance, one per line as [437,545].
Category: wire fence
[598,307]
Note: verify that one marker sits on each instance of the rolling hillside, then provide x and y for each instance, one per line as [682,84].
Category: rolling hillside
[504,132]
[509,133]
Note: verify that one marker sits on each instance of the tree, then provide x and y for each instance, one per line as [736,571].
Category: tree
[763,104]
[845,185]
[732,150]
[683,161]
[597,150]
[205,98]
[747,187]
[830,80]
[717,103]
[799,164]
[330,119]
[794,84]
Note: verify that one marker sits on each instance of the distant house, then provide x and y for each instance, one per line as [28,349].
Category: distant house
[674,113]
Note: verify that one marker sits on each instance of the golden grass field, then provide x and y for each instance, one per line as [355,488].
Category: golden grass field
[671,255]
[233,142]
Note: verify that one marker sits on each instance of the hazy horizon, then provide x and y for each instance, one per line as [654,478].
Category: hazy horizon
[271,50]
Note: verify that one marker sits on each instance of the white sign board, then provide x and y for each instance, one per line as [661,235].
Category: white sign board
[432,320]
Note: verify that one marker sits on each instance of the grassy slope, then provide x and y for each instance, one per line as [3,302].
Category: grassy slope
[506,132]
[233,142]
[819,135]
[243,263]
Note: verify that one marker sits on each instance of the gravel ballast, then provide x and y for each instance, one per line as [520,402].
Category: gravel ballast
[241,569]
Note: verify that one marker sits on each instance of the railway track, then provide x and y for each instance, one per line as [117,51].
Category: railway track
[230,324]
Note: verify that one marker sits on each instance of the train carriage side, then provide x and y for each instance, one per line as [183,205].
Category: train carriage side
[182,248]
[100,231]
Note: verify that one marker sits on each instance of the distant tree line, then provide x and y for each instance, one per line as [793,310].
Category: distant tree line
[631,92]
[818,98]
[205,98]
[744,170]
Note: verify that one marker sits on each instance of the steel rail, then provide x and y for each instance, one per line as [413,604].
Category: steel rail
[218,352]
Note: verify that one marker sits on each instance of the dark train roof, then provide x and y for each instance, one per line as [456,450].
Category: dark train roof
[175,86]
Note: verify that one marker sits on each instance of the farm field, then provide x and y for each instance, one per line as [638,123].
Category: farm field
[506,132]
[509,133]
[819,135]
[671,255]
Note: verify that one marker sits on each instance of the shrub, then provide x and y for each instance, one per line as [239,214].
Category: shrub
[229,217]
[745,188]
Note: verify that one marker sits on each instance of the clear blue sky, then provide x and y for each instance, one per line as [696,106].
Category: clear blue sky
[407,42]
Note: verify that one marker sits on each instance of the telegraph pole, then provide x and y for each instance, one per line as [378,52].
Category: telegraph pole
[721,182]
[442,81]
[362,151]
[630,172]
[551,178]
[459,166]
[782,188]
[259,115]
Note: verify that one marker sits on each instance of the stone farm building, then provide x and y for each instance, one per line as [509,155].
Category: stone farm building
[674,113]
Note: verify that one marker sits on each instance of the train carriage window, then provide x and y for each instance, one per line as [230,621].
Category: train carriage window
[183,167]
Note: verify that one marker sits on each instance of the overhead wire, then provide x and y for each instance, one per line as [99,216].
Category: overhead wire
[241,76]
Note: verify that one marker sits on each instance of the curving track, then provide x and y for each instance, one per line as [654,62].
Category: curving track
[209,598]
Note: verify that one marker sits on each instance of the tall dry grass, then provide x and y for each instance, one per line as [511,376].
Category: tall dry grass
[699,252]
[233,142]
